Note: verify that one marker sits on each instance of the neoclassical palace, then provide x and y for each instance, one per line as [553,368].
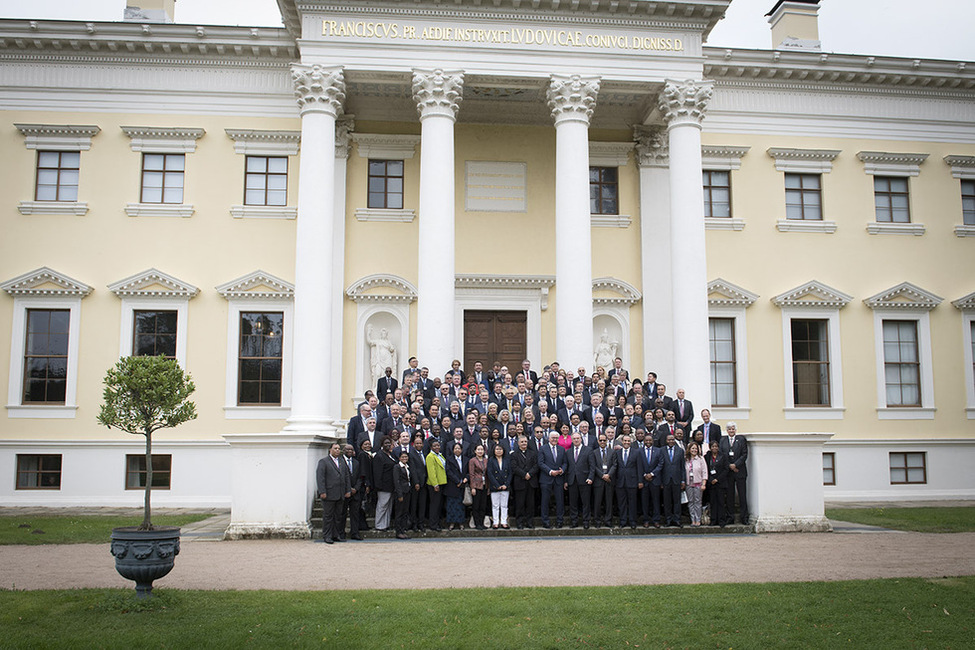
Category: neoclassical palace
[785,233]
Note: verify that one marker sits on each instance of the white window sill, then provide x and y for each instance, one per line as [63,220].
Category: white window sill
[610,220]
[805,225]
[964,231]
[159,210]
[723,223]
[970,412]
[906,413]
[257,412]
[79,208]
[883,228]
[382,214]
[724,413]
[263,212]
[813,413]
[42,411]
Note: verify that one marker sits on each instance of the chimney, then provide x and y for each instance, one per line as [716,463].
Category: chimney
[149,11]
[795,25]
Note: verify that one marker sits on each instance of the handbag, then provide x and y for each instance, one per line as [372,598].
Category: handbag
[468,499]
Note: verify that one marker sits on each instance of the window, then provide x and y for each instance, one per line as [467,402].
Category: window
[46,356]
[902,367]
[154,333]
[908,467]
[717,194]
[721,333]
[38,471]
[135,471]
[57,175]
[829,468]
[968,202]
[810,362]
[266,180]
[386,184]
[260,358]
[803,197]
[162,177]
[891,199]
[604,190]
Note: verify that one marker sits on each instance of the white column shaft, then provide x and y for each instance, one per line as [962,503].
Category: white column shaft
[338,282]
[658,328]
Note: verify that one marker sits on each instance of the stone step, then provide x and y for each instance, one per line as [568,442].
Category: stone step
[538,531]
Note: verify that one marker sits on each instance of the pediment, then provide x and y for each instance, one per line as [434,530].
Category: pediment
[965,302]
[612,291]
[45,282]
[258,285]
[904,296]
[153,283]
[722,293]
[813,295]
[382,287]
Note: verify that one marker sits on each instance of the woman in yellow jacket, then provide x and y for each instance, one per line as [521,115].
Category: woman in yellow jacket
[436,480]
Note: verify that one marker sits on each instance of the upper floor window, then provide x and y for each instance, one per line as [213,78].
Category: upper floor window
[968,202]
[266,180]
[386,184]
[810,362]
[57,175]
[604,190]
[717,193]
[46,356]
[891,199]
[162,177]
[154,333]
[803,197]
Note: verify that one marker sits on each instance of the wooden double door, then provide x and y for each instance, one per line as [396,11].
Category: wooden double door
[491,336]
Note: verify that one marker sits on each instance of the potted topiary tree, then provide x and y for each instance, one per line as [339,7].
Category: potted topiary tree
[143,395]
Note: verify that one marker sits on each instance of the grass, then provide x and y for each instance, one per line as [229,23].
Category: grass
[895,613]
[922,520]
[83,529]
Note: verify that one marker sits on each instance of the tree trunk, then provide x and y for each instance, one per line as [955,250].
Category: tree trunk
[147,518]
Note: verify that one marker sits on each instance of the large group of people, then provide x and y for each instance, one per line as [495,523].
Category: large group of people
[502,449]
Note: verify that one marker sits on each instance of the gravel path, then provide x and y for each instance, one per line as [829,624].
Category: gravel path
[304,565]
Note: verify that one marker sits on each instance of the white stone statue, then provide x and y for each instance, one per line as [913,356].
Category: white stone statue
[382,354]
[605,351]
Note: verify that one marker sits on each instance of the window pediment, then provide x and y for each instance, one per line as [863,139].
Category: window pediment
[896,164]
[159,139]
[611,291]
[266,143]
[813,295]
[904,296]
[62,137]
[609,154]
[382,287]
[258,285]
[965,303]
[386,147]
[722,293]
[153,283]
[44,283]
[809,161]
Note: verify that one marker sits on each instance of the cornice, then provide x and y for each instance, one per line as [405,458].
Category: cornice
[813,295]
[153,283]
[478,281]
[253,141]
[961,166]
[51,134]
[610,154]
[884,158]
[904,296]
[32,285]
[246,288]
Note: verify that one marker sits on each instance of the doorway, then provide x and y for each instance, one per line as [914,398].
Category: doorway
[491,336]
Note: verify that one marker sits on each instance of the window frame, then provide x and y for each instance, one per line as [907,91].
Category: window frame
[30,357]
[709,188]
[829,467]
[892,455]
[155,335]
[733,362]
[803,192]
[968,215]
[599,184]
[926,409]
[726,300]
[814,363]
[890,194]
[386,176]
[836,409]
[165,171]
[888,363]
[967,307]
[40,472]
[266,175]
[129,473]
[241,359]
[58,169]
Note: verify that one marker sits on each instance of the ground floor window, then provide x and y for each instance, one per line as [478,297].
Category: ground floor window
[38,471]
[908,467]
[135,471]
[829,468]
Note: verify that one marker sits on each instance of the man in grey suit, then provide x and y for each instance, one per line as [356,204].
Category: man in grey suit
[334,486]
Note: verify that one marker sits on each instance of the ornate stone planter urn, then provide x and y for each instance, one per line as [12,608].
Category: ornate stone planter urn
[144,555]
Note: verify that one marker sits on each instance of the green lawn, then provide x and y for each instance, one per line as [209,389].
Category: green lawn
[83,529]
[922,520]
[897,613]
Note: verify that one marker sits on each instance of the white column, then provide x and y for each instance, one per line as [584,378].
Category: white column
[682,105]
[437,94]
[343,138]
[320,92]
[658,328]
[572,100]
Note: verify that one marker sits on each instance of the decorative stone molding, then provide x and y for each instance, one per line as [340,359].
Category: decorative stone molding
[158,139]
[79,208]
[723,223]
[344,126]
[965,303]
[372,289]
[814,295]
[722,293]
[385,215]
[886,228]
[263,212]
[961,166]
[904,296]
[805,225]
[258,285]
[964,231]
[572,97]
[159,210]
[265,143]
[541,283]
[625,294]
[896,164]
[609,154]
[803,161]
[153,283]
[610,220]
[385,147]
[722,158]
[684,102]
[319,88]
[59,137]
[45,283]
[652,146]
[438,92]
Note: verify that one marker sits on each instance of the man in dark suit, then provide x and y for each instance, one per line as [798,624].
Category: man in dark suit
[578,481]
[418,476]
[352,507]
[524,482]
[334,486]
[602,463]
[357,424]
[711,430]
[528,372]
[403,493]
[717,483]
[668,428]
[652,460]
[662,394]
[386,384]
[383,483]
[412,370]
[735,448]
[628,481]
[673,481]
[683,412]
[552,466]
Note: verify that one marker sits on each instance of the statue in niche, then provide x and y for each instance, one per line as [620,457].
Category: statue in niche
[382,353]
[605,351]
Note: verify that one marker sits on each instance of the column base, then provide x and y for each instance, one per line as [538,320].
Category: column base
[787,524]
[314,426]
[288,530]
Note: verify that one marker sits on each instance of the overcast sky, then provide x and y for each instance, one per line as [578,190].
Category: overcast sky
[934,29]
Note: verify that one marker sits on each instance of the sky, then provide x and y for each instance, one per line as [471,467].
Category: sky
[932,29]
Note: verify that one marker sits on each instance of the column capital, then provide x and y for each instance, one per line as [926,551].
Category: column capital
[344,126]
[684,102]
[652,146]
[319,88]
[572,98]
[438,92]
